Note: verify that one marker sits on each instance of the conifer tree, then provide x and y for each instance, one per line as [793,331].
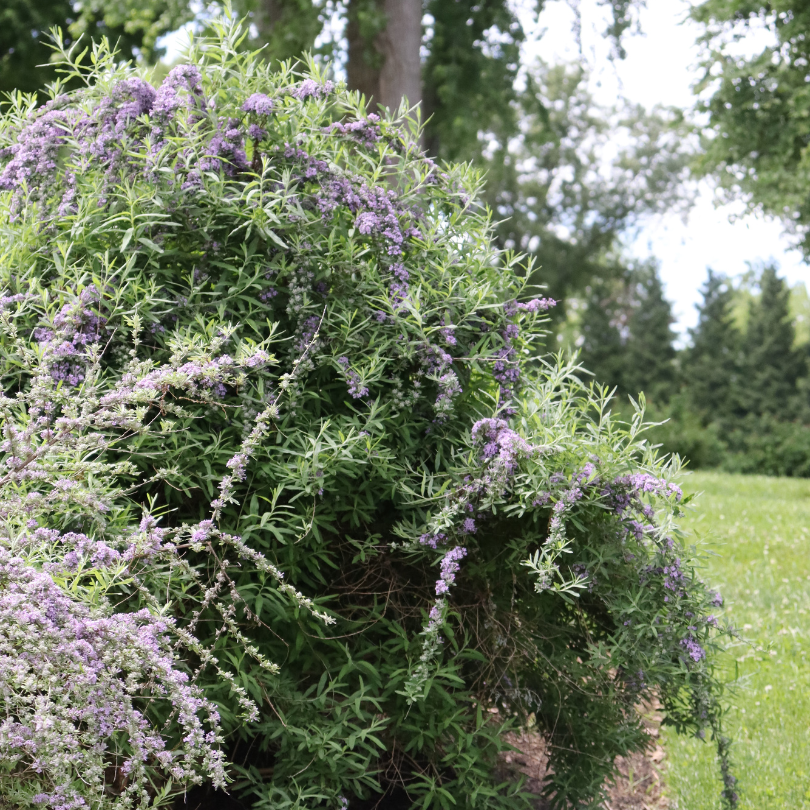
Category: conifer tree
[650,354]
[627,333]
[712,363]
[602,347]
[774,366]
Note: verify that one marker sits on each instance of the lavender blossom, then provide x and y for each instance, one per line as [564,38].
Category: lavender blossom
[449,568]
[309,88]
[259,103]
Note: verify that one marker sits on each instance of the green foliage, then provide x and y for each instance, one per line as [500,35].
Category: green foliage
[561,189]
[286,28]
[24,30]
[479,530]
[713,364]
[742,393]
[754,533]
[469,74]
[25,42]
[679,429]
[773,367]
[800,313]
[627,337]
[472,56]
[758,106]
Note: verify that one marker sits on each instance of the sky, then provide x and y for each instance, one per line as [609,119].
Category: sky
[660,68]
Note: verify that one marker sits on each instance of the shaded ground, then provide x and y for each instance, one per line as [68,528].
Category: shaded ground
[639,786]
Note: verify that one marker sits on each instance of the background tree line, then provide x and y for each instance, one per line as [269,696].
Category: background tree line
[738,395]
[557,186]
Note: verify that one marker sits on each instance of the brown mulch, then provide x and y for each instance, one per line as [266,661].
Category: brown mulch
[639,784]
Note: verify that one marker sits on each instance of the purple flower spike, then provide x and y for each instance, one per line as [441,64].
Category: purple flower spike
[309,88]
[259,103]
[449,568]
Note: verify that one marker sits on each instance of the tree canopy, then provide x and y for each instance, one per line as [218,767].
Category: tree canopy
[133,25]
[759,106]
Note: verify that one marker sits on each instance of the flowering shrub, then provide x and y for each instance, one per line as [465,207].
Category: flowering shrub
[321,566]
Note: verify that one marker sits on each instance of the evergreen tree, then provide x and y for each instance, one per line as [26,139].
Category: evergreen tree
[773,365]
[650,353]
[712,363]
[626,329]
[602,346]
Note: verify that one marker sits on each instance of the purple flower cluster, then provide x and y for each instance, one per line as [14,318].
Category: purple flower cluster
[72,674]
[75,327]
[202,532]
[433,539]
[501,451]
[449,568]
[207,376]
[181,89]
[447,333]
[7,300]
[506,366]
[309,88]
[643,482]
[511,308]
[34,157]
[398,287]
[378,211]
[449,389]
[365,131]
[226,150]
[693,649]
[673,577]
[537,305]
[355,383]
[259,103]
[625,496]
[103,135]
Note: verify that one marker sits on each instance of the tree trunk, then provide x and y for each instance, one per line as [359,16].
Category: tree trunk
[386,67]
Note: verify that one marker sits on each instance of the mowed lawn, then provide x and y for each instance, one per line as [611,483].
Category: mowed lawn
[757,531]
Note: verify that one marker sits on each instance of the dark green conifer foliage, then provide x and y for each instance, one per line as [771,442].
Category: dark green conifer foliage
[650,352]
[627,334]
[711,368]
[603,350]
[774,366]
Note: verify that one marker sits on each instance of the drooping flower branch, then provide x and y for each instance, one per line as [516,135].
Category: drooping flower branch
[81,678]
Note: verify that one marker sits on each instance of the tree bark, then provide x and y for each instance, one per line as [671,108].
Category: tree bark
[387,68]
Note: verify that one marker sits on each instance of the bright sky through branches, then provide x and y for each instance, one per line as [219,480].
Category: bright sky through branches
[660,68]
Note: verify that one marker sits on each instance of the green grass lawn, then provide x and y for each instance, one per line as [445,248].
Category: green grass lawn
[757,533]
